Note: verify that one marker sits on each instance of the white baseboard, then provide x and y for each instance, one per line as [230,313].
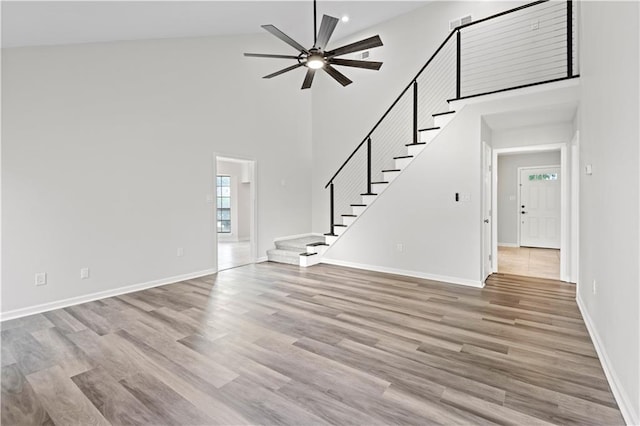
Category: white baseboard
[623,400]
[262,259]
[415,274]
[31,310]
[508,245]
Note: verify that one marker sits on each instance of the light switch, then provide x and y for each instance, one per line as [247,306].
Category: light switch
[588,170]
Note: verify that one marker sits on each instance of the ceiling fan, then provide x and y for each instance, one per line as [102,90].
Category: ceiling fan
[317,57]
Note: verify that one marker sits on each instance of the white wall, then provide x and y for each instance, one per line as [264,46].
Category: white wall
[441,238]
[609,198]
[543,134]
[107,158]
[508,211]
[342,116]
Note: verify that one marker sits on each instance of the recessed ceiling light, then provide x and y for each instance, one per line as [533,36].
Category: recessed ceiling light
[345,18]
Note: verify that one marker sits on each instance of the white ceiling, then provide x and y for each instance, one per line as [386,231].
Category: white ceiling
[36,23]
[554,114]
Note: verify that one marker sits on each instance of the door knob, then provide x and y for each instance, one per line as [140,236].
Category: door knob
[523,212]
[486,221]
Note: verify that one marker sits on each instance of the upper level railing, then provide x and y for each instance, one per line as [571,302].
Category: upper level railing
[531,44]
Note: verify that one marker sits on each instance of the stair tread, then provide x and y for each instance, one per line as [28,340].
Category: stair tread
[305,254]
[403,156]
[299,244]
[415,143]
[428,128]
[357,205]
[369,193]
[349,215]
[442,113]
[392,170]
[340,225]
[331,234]
[317,244]
[375,183]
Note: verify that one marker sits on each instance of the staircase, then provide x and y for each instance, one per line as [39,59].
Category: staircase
[308,250]
[302,251]
[466,65]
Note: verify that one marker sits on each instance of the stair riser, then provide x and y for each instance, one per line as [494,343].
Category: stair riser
[317,249]
[348,220]
[358,210]
[427,136]
[401,163]
[389,176]
[442,120]
[331,239]
[415,149]
[306,261]
[377,188]
[339,230]
[290,260]
[367,199]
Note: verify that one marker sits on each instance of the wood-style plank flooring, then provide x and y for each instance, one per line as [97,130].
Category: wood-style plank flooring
[529,261]
[277,344]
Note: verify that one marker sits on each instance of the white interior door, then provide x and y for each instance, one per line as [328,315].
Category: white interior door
[540,207]
[486,210]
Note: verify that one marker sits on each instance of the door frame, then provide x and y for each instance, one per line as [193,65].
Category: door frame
[565,212]
[520,186]
[485,273]
[253,200]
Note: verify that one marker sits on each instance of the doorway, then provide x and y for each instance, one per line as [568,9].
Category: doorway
[234,216]
[532,211]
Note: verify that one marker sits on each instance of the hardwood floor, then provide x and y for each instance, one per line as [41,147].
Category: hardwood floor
[277,344]
[529,261]
[232,254]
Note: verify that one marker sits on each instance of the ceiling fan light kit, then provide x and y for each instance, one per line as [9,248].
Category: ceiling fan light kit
[317,57]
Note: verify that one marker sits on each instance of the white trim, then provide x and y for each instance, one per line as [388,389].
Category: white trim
[519,195]
[293,237]
[404,272]
[508,244]
[564,210]
[623,400]
[262,259]
[23,312]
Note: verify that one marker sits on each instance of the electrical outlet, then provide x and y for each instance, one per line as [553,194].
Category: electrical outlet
[594,286]
[180,252]
[41,278]
[84,273]
[400,247]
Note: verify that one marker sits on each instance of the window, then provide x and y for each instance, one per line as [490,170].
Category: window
[546,176]
[223,198]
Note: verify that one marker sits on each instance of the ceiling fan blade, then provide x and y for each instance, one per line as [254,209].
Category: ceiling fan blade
[367,43]
[370,65]
[308,79]
[282,71]
[263,55]
[337,75]
[282,36]
[327,26]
